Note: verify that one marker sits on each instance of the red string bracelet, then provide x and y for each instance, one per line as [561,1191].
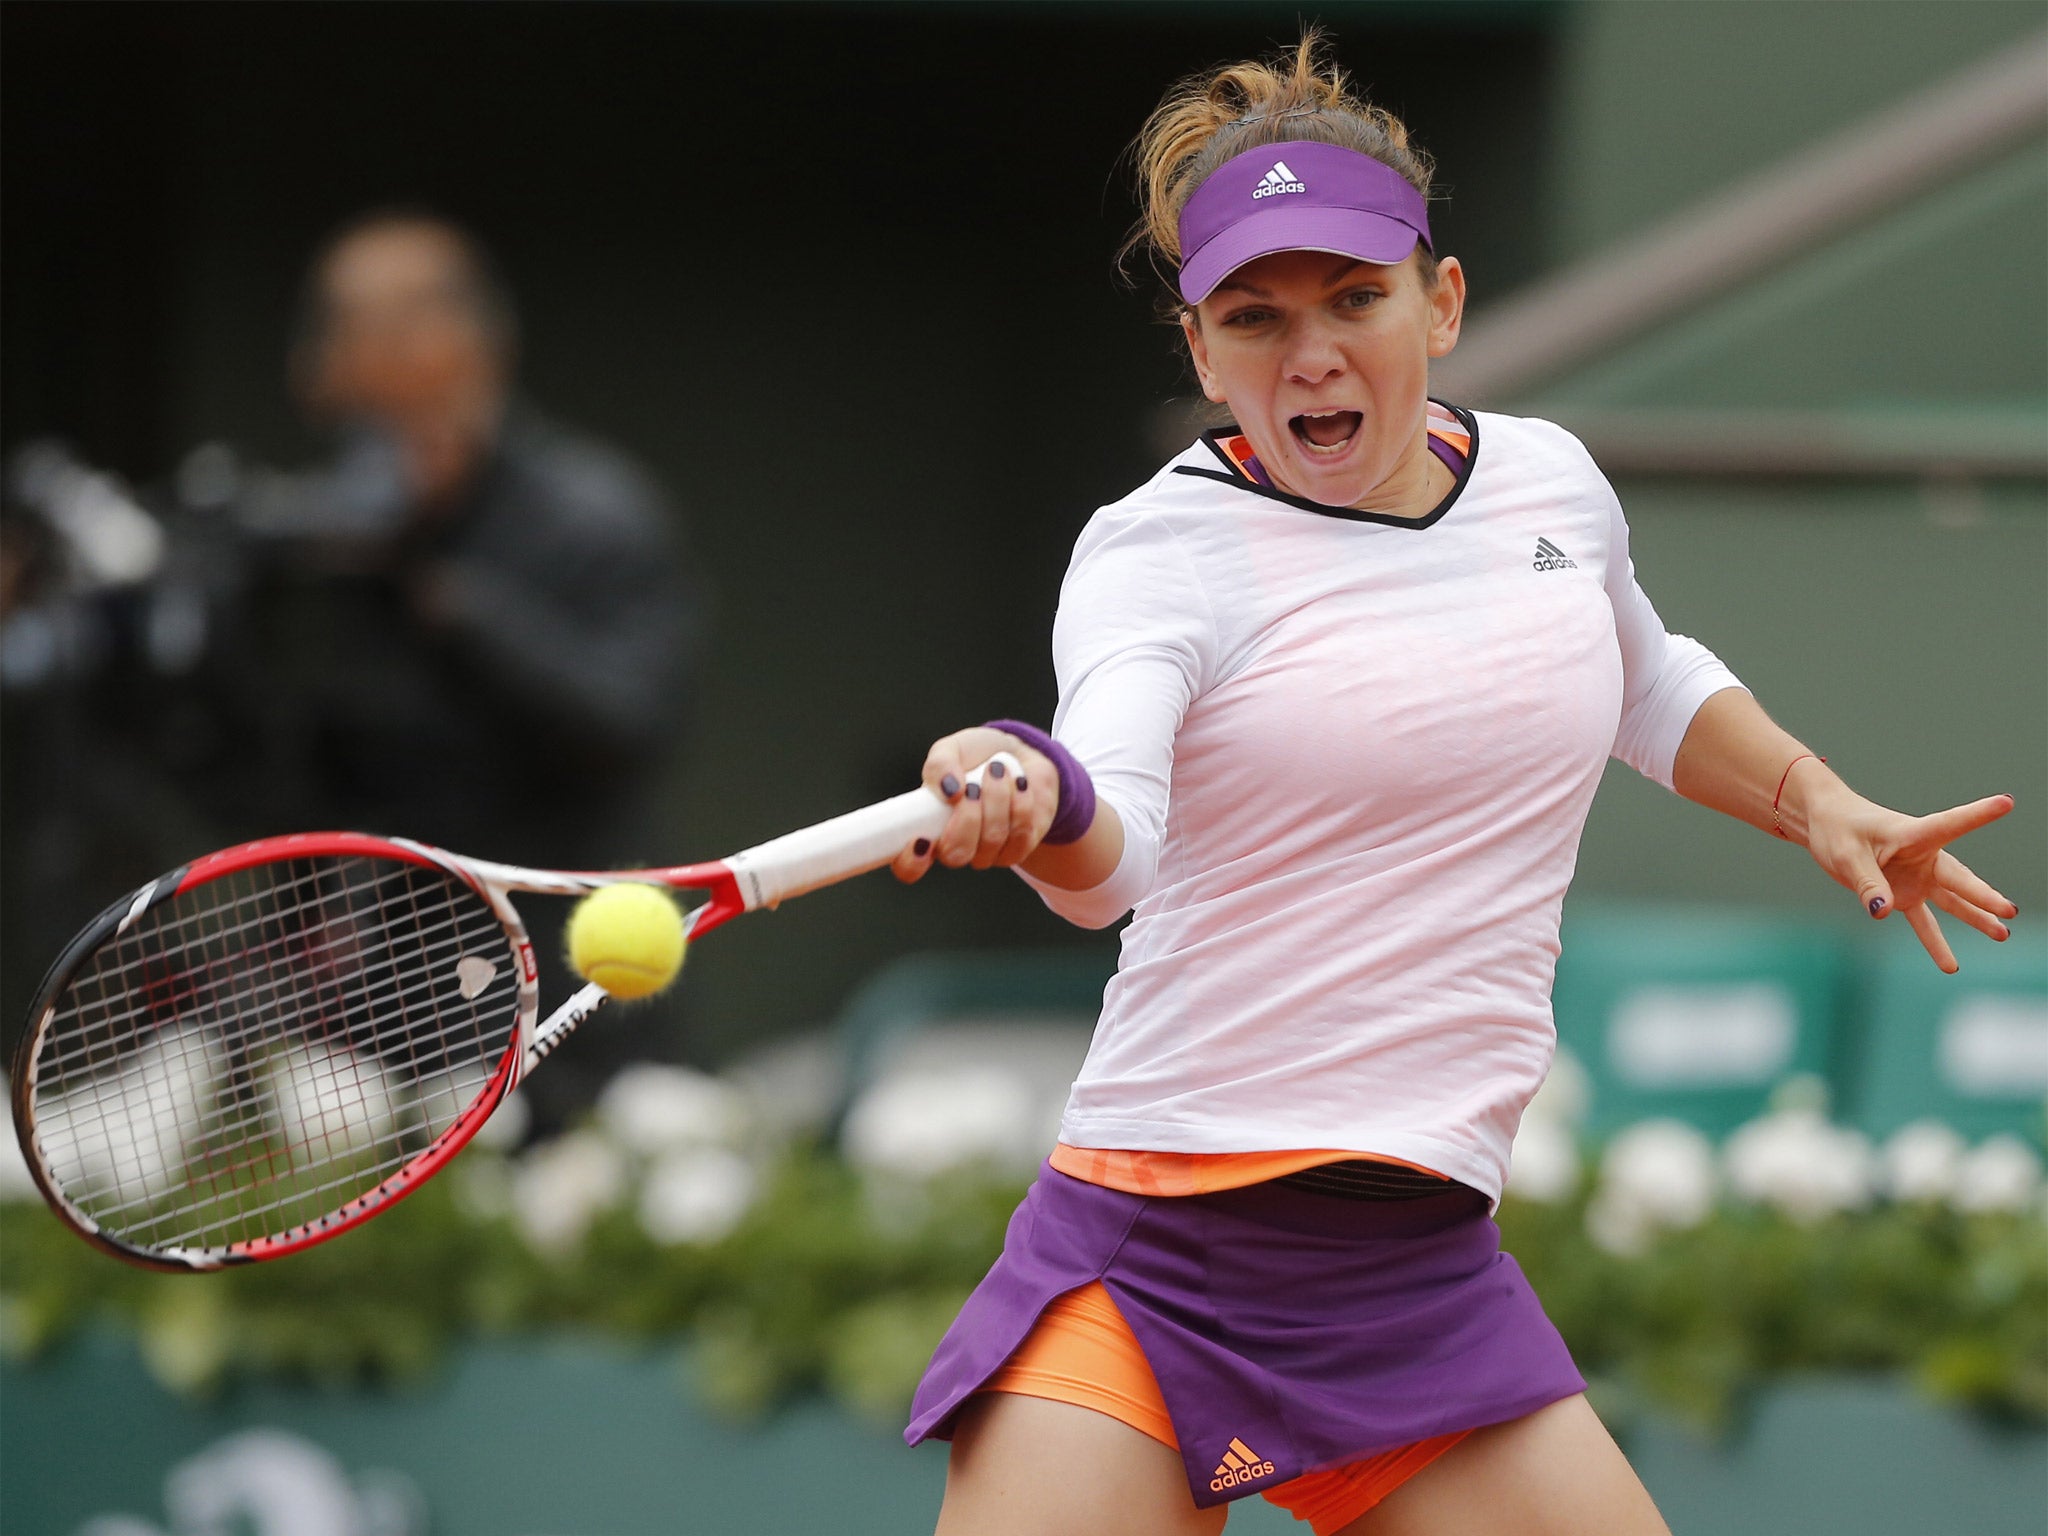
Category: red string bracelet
[1777,826]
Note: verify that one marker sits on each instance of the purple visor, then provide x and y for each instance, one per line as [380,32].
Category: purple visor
[1297,196]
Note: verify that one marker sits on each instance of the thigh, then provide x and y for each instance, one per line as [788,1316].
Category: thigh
[1027,1466]
[1554,1472]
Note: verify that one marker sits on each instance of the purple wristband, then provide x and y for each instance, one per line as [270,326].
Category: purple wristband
[1076,812]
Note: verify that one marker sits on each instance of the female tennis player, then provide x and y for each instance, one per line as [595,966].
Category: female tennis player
[1336,686]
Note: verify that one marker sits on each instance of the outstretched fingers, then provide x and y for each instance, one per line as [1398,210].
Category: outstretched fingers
[1931,937]
[1899,862]
[1956,876]
[1969,912]
[1944,827]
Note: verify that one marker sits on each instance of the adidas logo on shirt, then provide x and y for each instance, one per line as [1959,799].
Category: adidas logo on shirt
[1276,181]
[1550,558]
[1240,1464]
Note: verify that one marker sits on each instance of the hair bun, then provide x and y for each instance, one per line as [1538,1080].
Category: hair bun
[1209,118]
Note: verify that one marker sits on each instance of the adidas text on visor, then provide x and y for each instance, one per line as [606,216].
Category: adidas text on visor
[1297,196]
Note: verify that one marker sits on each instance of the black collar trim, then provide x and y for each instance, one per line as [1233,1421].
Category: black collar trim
[1231,475]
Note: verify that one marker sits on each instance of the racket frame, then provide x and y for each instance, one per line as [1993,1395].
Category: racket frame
[760,877]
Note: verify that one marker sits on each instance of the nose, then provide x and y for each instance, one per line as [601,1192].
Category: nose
[1312,356]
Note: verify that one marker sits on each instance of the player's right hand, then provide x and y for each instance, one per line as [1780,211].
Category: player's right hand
[996,823]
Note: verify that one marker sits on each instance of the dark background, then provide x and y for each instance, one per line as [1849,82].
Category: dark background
[842,276]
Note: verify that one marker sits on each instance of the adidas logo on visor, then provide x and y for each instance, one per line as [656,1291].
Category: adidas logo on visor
[1276,181]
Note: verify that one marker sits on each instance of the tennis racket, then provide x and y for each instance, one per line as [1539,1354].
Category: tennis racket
[272,1044]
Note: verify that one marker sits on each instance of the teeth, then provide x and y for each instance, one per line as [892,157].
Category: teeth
[1324,449]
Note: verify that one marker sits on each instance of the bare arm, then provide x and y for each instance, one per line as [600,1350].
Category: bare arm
[1735,758]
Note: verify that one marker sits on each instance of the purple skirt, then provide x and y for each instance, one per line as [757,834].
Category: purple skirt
[1315,1329]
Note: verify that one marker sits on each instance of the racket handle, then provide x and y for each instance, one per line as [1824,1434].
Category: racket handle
[560,1025]
[845,846]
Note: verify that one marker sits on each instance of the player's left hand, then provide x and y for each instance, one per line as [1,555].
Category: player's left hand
[1895,862]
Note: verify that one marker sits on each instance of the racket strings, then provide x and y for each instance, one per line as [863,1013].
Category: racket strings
[249,1056]
[253,1008]
[447,937]
[326,1102]
[157,1001]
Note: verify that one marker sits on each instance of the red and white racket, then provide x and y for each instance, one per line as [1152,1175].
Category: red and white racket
[274,1043]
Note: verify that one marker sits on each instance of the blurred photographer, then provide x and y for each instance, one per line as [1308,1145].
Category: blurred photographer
[483,617]
[470,626]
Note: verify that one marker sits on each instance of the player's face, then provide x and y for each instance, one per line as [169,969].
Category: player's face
[1324,363]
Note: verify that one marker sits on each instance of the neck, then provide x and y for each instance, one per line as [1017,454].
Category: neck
[1418,486]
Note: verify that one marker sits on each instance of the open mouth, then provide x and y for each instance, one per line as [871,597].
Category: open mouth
[1326,431]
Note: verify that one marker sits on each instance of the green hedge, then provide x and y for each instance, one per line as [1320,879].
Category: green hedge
[836,1284]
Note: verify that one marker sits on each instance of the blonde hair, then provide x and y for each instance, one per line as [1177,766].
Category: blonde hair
[1218,115]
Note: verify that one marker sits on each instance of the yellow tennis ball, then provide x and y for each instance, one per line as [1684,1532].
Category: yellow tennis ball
[628,939]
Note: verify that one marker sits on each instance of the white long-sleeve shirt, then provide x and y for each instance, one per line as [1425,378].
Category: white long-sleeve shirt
[1353,757]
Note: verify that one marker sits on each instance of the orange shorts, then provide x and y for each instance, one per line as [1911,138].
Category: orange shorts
[1082,1351]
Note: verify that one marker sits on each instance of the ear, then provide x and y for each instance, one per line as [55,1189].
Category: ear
[1198,349]
[1446,307]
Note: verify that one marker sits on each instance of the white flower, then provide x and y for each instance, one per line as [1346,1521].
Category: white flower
[439,1098]
[651,1108]
[1655,1176]
[15,1180]
[2001,1175]
[561,1186]
[1566,1094]
[920,1124]
[1617,1226]
[1545,1162]
[1796,1161]
[127,1131]
[792,1085]
[696,1195]
[1920,1161]
[1665,1167]
[331,1101]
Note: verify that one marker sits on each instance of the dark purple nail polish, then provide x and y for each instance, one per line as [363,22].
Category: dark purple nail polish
[949,786]
[996,770]
[1022,784]
[974,791]
[1876,905]
[921,847]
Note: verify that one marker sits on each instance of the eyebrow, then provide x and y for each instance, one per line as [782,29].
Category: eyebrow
[1336,275]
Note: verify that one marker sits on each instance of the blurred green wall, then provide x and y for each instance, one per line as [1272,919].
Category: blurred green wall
[1898,625]
[1661,102]
[1909,649]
